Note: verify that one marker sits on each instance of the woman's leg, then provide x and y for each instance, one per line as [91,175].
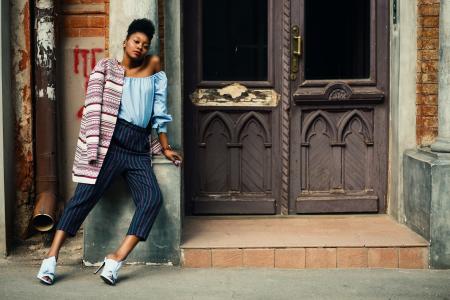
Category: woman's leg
[125,248]
[84,199]
[58,241]
[148,200]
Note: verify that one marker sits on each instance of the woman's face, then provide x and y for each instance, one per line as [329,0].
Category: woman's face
[137,45]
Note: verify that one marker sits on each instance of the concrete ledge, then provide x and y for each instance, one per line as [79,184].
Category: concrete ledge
[427,201]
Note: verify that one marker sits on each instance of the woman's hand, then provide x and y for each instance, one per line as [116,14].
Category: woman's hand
[173,156]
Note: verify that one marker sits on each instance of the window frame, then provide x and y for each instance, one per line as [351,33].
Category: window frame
[370,81]
[269,83]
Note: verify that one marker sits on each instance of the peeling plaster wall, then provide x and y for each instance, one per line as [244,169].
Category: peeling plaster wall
[21,97]
[76,57]
[80,47]
[117,205]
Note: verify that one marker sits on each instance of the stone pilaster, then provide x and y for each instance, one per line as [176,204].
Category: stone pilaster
[108,222]
[442,143]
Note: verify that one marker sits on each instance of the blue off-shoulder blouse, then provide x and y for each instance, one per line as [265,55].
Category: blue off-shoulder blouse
[144,100]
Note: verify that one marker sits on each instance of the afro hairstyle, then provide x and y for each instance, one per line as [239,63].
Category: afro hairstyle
[141,25]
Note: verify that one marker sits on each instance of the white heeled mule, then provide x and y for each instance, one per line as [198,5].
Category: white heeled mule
[110,270]
[46,273]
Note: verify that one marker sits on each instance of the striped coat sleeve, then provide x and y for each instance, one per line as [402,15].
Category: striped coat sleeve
[93,108]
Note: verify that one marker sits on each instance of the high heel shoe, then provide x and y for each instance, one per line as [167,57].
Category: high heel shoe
[46,273]
[109,273]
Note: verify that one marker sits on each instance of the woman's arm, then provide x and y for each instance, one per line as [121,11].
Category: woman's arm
[167,150]
[161,117]
[92,109]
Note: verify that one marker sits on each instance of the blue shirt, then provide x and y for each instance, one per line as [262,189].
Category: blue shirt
[144,100]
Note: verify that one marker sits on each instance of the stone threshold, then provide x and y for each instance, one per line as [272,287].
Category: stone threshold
[318,241]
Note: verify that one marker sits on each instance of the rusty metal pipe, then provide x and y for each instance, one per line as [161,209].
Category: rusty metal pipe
[44,214]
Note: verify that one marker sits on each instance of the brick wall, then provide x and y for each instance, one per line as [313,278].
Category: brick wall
[85,18]
[427,71]
[78,18]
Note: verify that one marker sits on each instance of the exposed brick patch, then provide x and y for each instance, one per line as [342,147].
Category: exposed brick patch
[88,32]
[427,71]
[85,23]
[106,28]
[84,1]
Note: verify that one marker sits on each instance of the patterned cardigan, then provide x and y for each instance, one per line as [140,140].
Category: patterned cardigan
[101,108]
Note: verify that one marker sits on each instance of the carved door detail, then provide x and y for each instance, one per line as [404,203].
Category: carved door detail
[336,160]
[231,119]
[285,106]
[235,163]
[339,106]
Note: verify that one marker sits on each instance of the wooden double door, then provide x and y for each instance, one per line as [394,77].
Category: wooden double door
[285,106]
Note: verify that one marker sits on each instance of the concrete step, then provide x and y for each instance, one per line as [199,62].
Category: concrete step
[330,241]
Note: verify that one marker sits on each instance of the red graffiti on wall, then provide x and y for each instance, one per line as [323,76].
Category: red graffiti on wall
[83,54]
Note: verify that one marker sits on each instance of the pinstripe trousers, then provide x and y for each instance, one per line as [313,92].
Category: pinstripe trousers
[128,155]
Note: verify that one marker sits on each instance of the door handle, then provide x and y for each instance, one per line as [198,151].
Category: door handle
[296,50]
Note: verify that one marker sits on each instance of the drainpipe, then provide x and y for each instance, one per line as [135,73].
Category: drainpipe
[44,76]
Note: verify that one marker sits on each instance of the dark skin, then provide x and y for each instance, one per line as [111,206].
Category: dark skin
[137,64]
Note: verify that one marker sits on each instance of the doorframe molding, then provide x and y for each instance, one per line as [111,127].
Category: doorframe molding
[191,109]
[285,108]
[402,121]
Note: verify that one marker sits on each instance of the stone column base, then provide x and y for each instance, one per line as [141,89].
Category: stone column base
[108,222]
[427,200]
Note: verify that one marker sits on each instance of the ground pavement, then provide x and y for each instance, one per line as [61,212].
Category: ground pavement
[18,281]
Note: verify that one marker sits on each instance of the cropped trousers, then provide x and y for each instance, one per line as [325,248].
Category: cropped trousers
[128,155]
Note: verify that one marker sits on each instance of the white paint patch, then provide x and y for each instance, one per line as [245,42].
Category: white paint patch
[137,263]
[159,264]
[254,97]
[89,264]
[51,93]
[46,41]
[44,4]
[234,90]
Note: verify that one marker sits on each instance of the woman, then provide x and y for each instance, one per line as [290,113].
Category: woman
[124,101]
